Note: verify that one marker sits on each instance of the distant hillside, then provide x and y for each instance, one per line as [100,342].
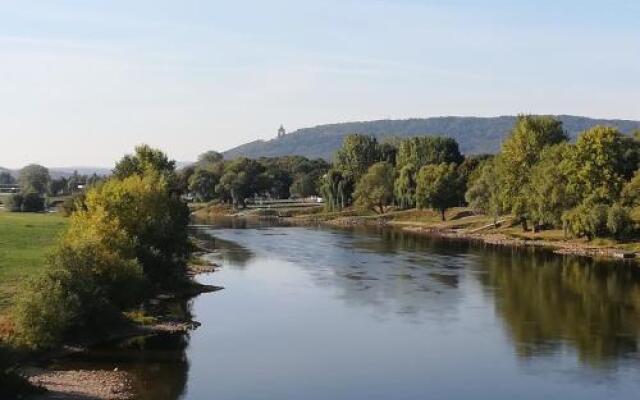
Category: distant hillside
[475,135]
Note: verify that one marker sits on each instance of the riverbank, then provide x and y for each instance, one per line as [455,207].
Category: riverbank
[461,224]
[53,384]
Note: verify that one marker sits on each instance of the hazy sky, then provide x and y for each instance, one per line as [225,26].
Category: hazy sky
[82,82]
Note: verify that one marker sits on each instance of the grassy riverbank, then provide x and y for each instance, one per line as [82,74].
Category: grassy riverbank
[25,240]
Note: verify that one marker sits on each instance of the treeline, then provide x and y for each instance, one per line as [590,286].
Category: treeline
[35,185]
[213,178]
[126,238]
[590,188]
[423,172]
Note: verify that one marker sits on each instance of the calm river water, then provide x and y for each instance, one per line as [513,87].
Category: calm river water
[337,314]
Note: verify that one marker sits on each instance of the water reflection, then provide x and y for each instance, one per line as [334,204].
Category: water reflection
[548,302]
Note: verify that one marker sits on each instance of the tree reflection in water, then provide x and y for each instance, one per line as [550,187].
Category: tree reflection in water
[548,302]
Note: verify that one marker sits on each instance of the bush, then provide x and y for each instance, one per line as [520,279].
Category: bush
[588,220]
[13,203]
[32,202]
[619,221]
[91,277]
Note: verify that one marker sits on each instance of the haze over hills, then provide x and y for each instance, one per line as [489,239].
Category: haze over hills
[66,171]
[475,135]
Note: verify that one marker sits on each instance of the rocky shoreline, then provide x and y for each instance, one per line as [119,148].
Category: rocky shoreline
[482,236]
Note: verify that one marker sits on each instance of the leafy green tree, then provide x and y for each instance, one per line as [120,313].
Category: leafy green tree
[304,185]
[210,157]
[619,222]
[484,194]
[334,188]
[58,186]
[388,152]
[405,187]
[154,216]
[32,202]
[144,159]
[242,179]
[203,183]
[357,154]
[34,178]
[547,193]
[597,165]
[520,152]
[439,187]
[630,195]
[425,150]
[6,178]
[375,188]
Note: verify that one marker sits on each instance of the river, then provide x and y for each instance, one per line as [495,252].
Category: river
[313,313]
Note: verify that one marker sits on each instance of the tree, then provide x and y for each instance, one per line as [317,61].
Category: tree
[619,221]
[597,165]
[304,185]
[547,193]
[144,159]
[210,157]
[375,188]
[520,152]
[32,202]
[334,188]
[357,154]
[153,216]
[34,178]
[485,194]
[425,150]
[630,195]
[241,180]
[405,187]
[439,187]
[6,178]
[203,183]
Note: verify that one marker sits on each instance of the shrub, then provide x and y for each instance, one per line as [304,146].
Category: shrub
[32,202]
[619,221]
[91,277]
[13,203]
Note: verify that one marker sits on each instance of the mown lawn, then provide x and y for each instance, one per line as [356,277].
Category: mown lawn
[25,240]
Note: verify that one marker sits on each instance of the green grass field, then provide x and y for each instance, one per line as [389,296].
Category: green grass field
[25,240]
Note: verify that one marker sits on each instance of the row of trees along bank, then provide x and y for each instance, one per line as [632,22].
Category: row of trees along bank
[213,178]
[35,185]
[590,188]
[126,239]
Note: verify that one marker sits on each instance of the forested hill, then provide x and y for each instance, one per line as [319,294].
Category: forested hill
[475,135]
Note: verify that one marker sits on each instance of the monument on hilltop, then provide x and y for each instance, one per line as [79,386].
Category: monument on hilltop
[281,132]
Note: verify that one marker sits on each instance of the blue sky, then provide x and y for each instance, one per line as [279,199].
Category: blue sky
[83,81]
